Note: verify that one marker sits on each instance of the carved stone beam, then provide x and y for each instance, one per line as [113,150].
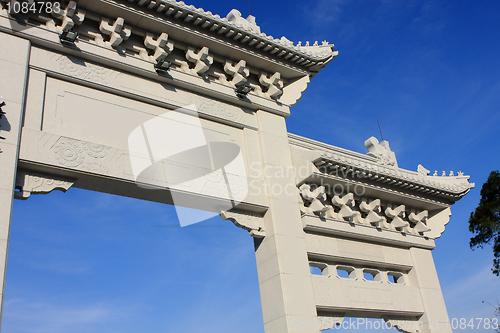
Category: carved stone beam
[273,83]
[251,222]
[160,46]
[28,182]
[201,59]
[69,16]
[117,31]
[239,72]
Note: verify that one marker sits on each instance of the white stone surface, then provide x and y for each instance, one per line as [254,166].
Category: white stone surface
[13,70]
[76,96]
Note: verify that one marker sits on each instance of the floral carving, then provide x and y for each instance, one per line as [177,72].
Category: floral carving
[68,152]
[82,70]
[160,46]
[75,154]
[238,72]
[96,150]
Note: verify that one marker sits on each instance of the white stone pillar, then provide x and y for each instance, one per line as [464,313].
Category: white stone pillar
[14,60]
[424,275]
[287,297]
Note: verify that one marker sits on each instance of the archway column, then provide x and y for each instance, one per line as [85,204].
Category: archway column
[14,59]
[284,278]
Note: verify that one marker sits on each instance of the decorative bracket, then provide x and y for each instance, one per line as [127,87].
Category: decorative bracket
[239,72]
[372,217]
[160,46]
[274,84]
[420,221]
[28,182]
[69,16]
[117,32]
[345,203]
[315,197]
[395,216]
[251,222]
[201,59]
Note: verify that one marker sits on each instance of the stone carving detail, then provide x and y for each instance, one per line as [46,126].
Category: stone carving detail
[83,70]
[74,154]
[95,150]
[68,152]
[382,151]
[238,72]
[405,325]
[117,32]
[160,46]
[274,84]
[367,211]
[28,182]
[218,109]
[251,222]
[69,17]
[202,59]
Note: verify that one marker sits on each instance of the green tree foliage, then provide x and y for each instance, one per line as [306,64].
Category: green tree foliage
[485,221]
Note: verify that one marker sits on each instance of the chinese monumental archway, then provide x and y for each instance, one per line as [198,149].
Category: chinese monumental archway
[71,106]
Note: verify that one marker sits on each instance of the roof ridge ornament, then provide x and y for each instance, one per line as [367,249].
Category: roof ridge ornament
[382,151]
[234,17]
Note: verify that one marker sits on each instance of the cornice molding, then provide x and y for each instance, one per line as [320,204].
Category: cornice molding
[356,167]
[131,43]
[240,31]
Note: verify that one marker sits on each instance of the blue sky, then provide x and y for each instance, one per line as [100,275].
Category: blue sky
[428,70]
